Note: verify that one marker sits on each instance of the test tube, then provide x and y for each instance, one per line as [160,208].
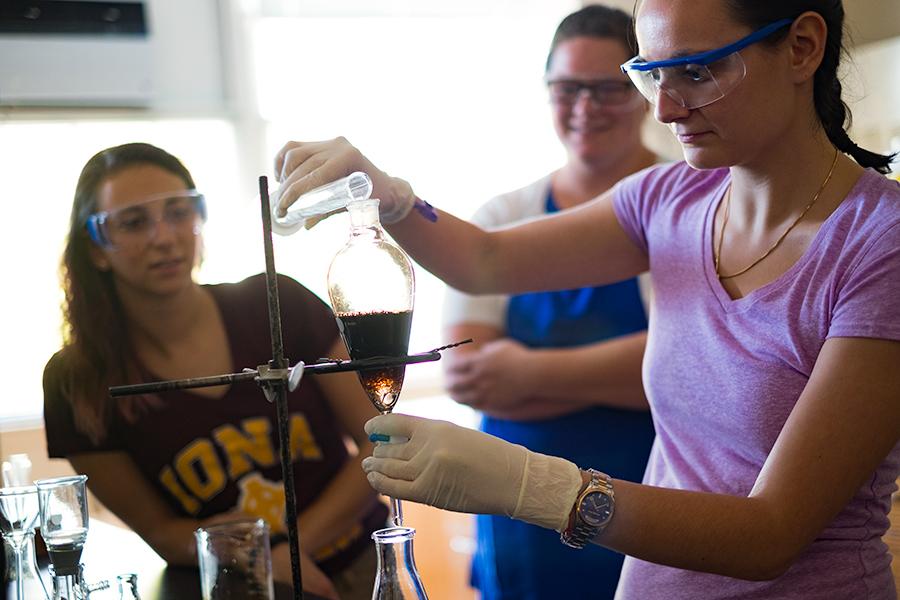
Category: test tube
[319,201]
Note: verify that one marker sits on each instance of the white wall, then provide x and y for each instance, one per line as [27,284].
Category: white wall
[188,69]
[873,89]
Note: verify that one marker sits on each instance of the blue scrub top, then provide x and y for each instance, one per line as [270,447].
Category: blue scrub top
[525,562]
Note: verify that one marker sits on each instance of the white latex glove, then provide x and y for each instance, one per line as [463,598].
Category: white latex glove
[303,166]
[464,470]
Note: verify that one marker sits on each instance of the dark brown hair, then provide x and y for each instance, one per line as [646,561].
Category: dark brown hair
[833,113]
[96,347]
[598,22]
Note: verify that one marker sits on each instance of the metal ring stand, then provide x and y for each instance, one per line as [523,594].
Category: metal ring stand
[277,378]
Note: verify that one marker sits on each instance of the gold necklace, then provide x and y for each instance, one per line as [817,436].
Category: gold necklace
[777,243]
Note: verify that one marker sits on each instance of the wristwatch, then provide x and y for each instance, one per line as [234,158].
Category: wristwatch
[592,511]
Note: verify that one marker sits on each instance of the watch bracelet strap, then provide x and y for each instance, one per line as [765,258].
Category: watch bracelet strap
[578,537]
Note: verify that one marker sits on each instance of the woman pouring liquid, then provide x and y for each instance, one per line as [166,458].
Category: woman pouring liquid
[772,352]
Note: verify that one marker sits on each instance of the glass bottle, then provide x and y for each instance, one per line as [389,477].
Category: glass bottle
[19,508]
[371,286]
[397,577]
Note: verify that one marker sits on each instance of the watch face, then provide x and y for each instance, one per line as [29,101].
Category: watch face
[595,509]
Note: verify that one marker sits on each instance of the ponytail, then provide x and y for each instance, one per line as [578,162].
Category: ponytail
[832,111]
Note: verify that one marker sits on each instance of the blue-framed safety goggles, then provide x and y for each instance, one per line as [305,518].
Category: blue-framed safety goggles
[135,224]
[699,79]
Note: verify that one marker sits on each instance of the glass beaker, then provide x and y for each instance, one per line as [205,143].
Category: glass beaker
[64,527]
[397,577]
[235,561]
[20,510]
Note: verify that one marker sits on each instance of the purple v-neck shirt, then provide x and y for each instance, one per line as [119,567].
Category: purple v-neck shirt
[723,375]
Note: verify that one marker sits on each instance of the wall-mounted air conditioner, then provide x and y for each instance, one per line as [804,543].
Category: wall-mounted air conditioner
[165,55]
[75,53]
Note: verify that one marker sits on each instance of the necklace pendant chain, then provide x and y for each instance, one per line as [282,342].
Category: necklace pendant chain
[718,249]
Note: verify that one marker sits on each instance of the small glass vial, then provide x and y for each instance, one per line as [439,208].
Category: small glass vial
[397,577]
[128,586]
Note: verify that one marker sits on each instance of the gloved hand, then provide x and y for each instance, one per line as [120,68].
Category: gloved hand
[464,470]
[303,166]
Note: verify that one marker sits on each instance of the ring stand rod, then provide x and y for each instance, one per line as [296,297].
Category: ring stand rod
[318,368]
[276,390]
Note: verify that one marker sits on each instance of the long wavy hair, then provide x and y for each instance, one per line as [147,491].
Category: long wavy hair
[96,348]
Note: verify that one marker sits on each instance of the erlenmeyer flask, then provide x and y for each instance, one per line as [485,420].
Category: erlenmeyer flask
[397,577]
[371,286]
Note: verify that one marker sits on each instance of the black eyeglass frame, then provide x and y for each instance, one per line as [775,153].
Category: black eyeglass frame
[600,91]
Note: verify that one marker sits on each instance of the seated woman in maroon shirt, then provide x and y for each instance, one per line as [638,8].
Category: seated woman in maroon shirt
[168,463]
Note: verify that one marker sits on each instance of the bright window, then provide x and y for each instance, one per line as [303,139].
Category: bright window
[455,105]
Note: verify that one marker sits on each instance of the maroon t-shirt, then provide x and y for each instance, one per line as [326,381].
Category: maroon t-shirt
[206,455]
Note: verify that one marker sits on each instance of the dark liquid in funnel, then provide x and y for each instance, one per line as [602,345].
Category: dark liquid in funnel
[378,334]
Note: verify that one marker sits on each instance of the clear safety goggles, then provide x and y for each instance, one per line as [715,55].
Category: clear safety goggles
[700,79]
[602,92]
[135,225]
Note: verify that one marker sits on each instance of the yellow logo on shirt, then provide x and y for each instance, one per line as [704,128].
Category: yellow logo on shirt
[263,499]
[197,473]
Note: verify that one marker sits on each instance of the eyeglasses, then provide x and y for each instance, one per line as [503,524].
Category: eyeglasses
[135,225]
[700,79]
[604,92]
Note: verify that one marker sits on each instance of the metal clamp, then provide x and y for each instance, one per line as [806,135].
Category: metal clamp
[290,376]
